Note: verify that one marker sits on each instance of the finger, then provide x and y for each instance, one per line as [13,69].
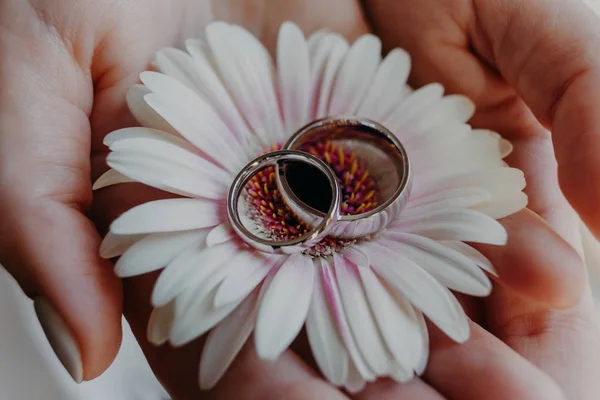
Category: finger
[556,278]
[45,240]
[386,389]
[484,368]
[248,378]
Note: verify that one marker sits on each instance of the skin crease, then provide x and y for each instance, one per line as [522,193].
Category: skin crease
[64,71]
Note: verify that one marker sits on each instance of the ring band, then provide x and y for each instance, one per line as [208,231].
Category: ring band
[366,132]
[278,159]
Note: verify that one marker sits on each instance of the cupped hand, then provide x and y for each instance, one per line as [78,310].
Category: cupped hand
[64,73]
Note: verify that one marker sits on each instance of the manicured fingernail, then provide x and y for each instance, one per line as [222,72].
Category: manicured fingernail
[60,336]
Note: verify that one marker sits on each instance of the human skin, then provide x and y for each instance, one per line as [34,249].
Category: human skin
[65,67]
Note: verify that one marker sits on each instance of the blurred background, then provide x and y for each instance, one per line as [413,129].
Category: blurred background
[30,371]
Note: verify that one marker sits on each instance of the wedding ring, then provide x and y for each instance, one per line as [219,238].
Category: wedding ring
[376,143]
[323,223]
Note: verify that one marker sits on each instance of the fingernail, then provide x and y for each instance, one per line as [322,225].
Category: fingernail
[60,336]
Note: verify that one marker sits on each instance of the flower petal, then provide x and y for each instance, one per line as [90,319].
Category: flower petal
[422,290]
[395,320]
[284,307]
[454,224]
[294,76]
[155,251]
[451,268]
[359,316]
[114,245]
[416,103]
[109,178]
[354,381]
[220,234]
[473,254]
[325,341]
[449,110]
[388,88]
[504,206]
[170,215]
[194,265]
[159,324]
[355,75]
[356,256]
[247,72]
[136,132]
[143,113]
[452,198]
[226,340]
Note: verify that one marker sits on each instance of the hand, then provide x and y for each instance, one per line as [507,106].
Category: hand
[89,54]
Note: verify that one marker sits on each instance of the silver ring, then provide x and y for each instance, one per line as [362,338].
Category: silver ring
[366,133]
[277,158]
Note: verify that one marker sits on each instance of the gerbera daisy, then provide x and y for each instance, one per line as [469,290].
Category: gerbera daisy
[209,111]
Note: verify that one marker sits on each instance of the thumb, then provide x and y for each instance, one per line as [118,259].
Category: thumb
[46,242]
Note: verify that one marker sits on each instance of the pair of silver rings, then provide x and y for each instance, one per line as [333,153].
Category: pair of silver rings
[364,136]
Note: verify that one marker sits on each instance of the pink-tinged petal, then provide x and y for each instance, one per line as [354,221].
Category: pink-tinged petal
[109,178]
[192,266]
[357,256]
[193,118]
[453,198]
[327,54]
[454,224]
[220,234]
[246,70]
[143,113]
[246,271]
[198,73]
[159,324]
[170,215]
[355,75]
[355,382]
[167,155]
[395,320]
[284,307]
[451,268]
[414,105]
[325,341]
[198,313]
[449,110]
[499,208]
[388,88]
[473,254]
[226,340]
[155,251]
[357,310]
[294,76]
[422,290]
[114,245]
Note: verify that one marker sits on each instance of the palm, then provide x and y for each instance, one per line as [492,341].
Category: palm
[141,29]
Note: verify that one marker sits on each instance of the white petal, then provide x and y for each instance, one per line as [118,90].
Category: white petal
[355,75]
[354,381]
[395,320]
[388,88]
[247,72]
[329,53]
[473,254]
[359,316]
[294,76]
[502,207]
[246,271]
[192,266]
[357,256]
[155,251]
[226,340]
[284,307]
[170,215]
[422,290]
[109,178]
[449,110]
[325,341]
[332,293]
[137,132]
[453,198]
[451,268]
[454,224]
[159,324]
[114,245]
[143,113]
[416,103]
[422,346]
[220,234]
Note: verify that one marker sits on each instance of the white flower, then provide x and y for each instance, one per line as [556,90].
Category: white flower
[210,111]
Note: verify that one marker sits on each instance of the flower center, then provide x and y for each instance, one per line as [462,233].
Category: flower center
[273,217]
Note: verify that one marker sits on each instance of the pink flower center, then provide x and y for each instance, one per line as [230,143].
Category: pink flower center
[268,209]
